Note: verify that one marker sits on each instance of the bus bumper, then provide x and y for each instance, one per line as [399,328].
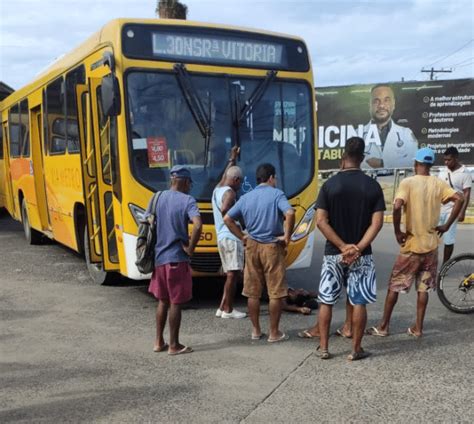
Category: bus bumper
[130,244]
[303,260]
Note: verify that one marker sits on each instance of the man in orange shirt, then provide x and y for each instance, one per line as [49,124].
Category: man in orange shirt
[420,197]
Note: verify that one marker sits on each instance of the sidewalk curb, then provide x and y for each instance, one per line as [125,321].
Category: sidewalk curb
[468,220]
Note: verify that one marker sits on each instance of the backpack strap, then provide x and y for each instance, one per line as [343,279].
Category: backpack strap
[156,196]
[153,203]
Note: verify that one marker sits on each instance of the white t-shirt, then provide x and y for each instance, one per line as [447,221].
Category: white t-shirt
[459,180]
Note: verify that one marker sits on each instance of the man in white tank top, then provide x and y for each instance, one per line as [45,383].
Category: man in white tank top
[231,249]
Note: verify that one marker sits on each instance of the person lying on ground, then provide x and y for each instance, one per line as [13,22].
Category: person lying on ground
[300,300]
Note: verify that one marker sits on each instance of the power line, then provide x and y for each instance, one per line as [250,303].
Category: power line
[463,61]
[450,54]
[467,64]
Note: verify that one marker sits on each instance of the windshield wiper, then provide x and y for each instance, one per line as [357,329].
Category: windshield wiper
[201,117]
[240,113]
[257,94]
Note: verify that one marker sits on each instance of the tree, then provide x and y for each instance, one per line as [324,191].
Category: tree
[171,9]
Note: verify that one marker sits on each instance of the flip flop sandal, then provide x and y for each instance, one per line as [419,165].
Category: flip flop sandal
[323,353]
[283,338]
[340,333]
[306,335]
[357,356]
[410,332]
[161,349]
[185,349]
[374,331]
[259,337]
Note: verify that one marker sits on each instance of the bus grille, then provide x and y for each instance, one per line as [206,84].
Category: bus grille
[207,218]
[206,262]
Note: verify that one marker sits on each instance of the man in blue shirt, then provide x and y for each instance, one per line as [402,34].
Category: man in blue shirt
[262,211]
[171,282]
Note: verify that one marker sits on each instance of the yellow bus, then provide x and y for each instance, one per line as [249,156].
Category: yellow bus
[86,144]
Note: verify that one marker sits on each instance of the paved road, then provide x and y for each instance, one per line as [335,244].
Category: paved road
[71,351]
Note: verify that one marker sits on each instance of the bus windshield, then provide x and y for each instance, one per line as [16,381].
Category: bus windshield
[164,130]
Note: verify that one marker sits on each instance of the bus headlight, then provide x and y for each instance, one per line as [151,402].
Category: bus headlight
[137,213]
[302,229]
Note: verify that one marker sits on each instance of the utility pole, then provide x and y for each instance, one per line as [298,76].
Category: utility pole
[433,71]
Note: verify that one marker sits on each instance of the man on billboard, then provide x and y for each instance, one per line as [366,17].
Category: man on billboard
[387,145]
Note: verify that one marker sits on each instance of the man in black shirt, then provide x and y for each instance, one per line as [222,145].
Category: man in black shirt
[349,213]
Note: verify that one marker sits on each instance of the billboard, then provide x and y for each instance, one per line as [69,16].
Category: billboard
[394,119]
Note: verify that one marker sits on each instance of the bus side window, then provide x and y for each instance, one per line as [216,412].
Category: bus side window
[76,76]
[14,128]
[1,142]
[105,127]
[55,117]
[25,128]
[45,132]
[84,118]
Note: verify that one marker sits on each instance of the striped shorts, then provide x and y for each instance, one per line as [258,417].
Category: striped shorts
[358,278]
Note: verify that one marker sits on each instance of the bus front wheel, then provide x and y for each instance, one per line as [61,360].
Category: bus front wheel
[32,236]
[96,271]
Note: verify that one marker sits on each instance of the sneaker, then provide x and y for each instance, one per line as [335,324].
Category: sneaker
[219,313]
[234,314]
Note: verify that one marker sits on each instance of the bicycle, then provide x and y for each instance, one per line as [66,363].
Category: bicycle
[455,284]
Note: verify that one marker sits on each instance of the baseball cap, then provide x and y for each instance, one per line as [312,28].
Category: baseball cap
[425,155]
[180,171]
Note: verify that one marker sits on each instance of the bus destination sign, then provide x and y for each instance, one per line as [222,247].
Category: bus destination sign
[214,46]
[210,48]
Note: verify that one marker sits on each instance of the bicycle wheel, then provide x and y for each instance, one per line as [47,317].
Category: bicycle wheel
[456,284]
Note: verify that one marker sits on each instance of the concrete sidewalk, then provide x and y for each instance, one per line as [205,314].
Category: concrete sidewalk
[74,352]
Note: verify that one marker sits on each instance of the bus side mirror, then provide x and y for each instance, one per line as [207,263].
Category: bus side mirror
[110,95]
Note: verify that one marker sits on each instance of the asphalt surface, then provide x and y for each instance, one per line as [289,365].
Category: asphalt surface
[71,351]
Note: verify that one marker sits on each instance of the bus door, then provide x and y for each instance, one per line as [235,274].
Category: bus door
[38,167]
[95,133]
[9,204]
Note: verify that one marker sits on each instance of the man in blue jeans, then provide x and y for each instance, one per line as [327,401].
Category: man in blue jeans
[262,211]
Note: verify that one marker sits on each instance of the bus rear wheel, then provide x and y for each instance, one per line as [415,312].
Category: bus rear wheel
[32,236]
[96,271]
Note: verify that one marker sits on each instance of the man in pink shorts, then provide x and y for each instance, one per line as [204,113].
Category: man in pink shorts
[171,282]
[420,198]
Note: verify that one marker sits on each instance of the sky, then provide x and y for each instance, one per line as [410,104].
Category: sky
[350,41]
